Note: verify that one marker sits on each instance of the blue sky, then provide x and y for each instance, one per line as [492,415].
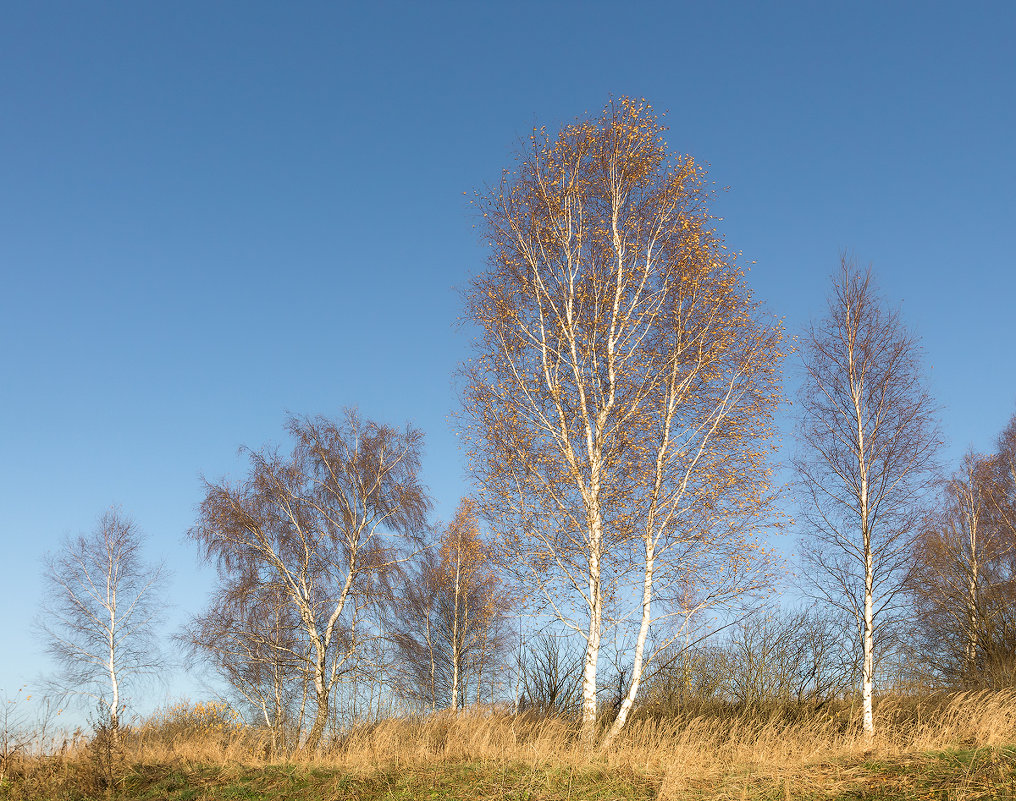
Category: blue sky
[212,214]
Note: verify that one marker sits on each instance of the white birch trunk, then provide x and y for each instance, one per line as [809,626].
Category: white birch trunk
[114,702]
[972,512]
[456,650]
[972,611]
[589,679]
[868,665]
[640,648]
[321,695]
[868,614]
[593,637]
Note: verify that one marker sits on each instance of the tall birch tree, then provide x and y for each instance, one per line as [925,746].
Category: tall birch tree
[868,439]
[619,400]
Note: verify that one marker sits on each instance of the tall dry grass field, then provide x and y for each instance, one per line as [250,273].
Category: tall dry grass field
[711,753]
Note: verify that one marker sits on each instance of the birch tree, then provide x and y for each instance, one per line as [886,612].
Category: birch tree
[316,527]
[619,400]
[964,565]
[100,614]
[865,464]
[953,557]
[475,595]
[449,625]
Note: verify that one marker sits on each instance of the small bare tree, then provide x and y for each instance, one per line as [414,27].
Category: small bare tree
[780,656]
[549,676]
[687,676]
[315,528]
[867,445]
[415,632]
[100,614]
[15,733]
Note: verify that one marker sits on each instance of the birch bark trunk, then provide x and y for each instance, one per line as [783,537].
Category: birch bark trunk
[593,637]
[640,647]
[322,693]
[114,703]
[973,607]
[456,649]
[868,646]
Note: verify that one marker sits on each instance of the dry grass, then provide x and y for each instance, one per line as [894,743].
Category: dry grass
[943,747]
[713,754]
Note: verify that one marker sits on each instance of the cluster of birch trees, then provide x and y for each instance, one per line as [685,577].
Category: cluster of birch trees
[618,415]
[619,405]
[335,589]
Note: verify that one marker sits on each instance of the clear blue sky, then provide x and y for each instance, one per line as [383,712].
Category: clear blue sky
[212,213]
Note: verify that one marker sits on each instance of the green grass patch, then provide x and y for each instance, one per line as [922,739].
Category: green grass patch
[958,774]
[459,781]
[951,775]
